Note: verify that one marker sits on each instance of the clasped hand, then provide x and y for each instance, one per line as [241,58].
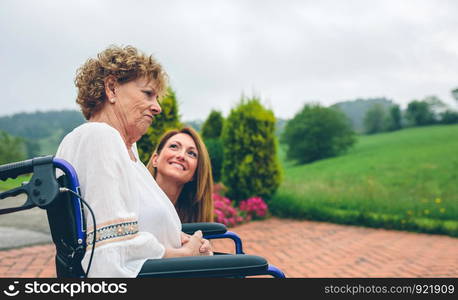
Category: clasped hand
[196,243]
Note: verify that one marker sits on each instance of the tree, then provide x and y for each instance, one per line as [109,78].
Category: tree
[374,120]
[216,152]
[32,148]
[419,113]
[211,133]
[436,105]
[213,126]
[41,131]
[455,94]
[317,132]
[355,110]
[250,166]
[167,119]
[12,148]
[394,119]
[449,117]
[196,124]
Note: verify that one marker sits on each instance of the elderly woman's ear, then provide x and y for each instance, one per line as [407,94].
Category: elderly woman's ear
[110,88]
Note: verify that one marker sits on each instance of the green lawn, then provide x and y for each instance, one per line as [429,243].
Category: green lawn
[406,179]
[12,183]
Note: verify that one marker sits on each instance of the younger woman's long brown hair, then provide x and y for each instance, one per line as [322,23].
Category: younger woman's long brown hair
[195,203]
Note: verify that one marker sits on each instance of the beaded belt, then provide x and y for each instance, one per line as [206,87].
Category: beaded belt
[112,231]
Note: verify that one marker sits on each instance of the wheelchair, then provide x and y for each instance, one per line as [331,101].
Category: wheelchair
[60,197]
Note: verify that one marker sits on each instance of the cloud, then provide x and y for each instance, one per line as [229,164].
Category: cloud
[287,52]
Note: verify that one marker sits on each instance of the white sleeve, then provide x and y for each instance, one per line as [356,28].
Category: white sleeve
[101,161]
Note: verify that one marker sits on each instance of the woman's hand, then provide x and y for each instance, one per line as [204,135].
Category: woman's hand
[191,245]
[184,238]
[206,248]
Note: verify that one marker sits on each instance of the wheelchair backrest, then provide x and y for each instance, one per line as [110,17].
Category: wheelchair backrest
[63,224]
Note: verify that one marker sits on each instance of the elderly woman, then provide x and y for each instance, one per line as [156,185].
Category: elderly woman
[118,94]
[181,166]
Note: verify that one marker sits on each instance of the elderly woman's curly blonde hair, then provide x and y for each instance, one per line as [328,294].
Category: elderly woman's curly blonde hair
[125,64]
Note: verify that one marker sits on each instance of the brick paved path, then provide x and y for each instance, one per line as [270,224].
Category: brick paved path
[304,249]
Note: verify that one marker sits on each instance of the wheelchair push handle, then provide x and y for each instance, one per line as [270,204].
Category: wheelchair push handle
[13,170]
[42,188]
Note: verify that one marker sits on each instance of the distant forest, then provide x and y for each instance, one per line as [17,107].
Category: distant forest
[41,131]
[40,125]
[357,109]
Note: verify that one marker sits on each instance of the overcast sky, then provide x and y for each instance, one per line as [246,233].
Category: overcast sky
[286,52]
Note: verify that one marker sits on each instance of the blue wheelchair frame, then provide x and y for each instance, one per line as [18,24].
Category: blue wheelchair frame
[74,185]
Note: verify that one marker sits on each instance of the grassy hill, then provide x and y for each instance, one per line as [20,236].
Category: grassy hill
[404,180]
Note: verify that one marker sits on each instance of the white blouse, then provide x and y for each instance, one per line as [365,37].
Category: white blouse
[135,219]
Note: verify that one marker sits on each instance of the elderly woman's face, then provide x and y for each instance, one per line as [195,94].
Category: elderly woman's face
[137,104]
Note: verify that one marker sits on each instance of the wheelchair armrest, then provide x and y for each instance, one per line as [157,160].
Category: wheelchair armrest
[205,266]
[207,228]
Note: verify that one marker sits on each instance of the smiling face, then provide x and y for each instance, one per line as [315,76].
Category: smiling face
[177,161]
[136,104]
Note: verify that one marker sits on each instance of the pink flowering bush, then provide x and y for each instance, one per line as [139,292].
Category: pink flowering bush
[254,207]
[226,213]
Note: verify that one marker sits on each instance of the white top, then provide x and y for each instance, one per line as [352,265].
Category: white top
[135,219]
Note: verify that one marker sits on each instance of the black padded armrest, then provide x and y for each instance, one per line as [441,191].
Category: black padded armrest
[205,266]
[207,228]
